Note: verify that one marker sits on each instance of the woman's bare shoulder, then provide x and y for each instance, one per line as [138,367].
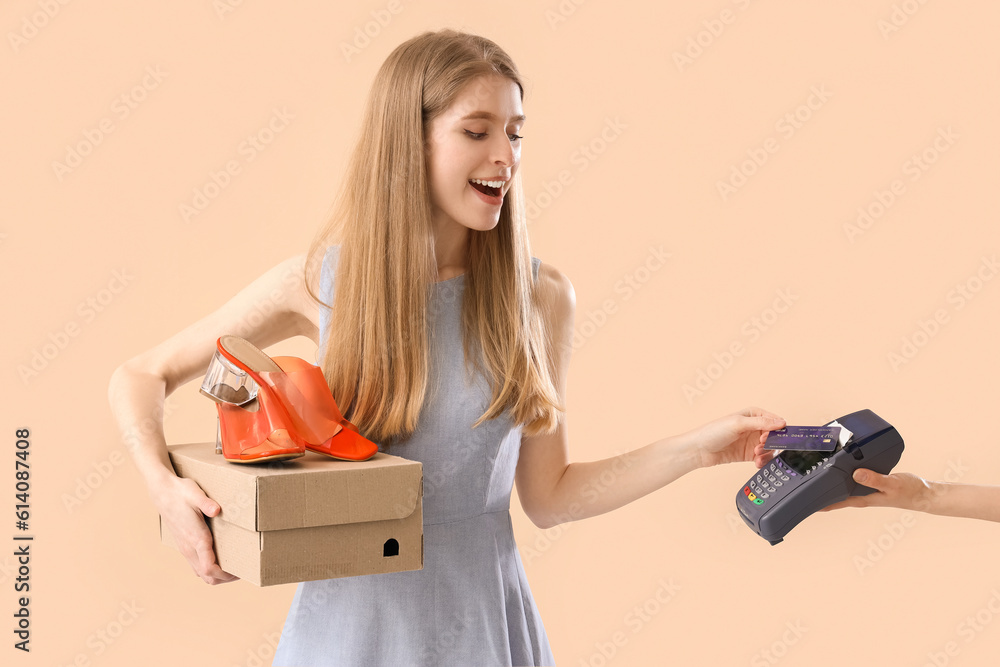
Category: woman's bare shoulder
[292,297]
[556,295]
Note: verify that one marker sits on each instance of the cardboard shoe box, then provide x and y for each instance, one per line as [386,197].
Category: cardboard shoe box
[308,518]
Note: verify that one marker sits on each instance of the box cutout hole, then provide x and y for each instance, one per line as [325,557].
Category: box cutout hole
[390,548]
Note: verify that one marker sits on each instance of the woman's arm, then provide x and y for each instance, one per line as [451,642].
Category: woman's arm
[908,491]
[272,308]
[594,487]
[552,490]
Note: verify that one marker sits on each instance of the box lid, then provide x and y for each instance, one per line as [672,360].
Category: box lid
[312,490]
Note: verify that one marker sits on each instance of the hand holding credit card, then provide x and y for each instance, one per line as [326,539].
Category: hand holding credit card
[804,438]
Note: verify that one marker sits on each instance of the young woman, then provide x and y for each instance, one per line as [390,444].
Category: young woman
[444,341]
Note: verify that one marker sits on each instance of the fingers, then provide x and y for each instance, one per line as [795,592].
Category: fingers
[205,557]
[209,569]
[762,458]
[200,552]
[760,461]
[761,455]
[206,567]
[765,423]
[183,508]
[760,412]
[208,506]
[875,480]
[216,575]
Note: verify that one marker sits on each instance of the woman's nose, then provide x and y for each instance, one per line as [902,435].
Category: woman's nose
[503,151]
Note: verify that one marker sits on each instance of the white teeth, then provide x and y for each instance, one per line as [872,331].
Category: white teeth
[492,184]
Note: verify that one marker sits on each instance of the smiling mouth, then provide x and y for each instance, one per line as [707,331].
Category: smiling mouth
[485,189]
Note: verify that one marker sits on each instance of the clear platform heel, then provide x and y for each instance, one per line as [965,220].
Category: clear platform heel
[226,383]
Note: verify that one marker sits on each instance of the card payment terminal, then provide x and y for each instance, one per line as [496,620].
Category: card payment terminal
[796,484]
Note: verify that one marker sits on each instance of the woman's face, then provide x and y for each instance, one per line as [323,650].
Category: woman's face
[475,138]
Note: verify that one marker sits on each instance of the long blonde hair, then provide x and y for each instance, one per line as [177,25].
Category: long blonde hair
[375,356]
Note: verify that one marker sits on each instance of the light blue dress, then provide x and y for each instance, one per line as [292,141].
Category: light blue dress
[470,605]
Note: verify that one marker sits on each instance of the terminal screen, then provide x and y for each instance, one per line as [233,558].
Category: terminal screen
[802,462]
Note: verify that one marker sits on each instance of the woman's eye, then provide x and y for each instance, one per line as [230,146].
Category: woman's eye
[480,135]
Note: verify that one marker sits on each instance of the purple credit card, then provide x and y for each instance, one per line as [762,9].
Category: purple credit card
[804,438]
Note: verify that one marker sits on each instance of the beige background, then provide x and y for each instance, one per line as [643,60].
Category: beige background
[869,587]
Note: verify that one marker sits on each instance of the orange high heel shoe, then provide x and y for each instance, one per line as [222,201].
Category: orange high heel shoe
[298,388]
[251,429]
[253,434]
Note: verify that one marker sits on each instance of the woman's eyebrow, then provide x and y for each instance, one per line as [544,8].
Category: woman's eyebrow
[489,116]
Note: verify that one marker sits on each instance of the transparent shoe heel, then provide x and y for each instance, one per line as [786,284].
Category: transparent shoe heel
[218,434]
[226,383]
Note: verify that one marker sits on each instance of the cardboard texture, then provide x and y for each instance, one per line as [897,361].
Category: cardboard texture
[309,518]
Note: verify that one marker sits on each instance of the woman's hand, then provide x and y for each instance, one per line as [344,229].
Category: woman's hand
[181,503]
[736,437]
[899,489]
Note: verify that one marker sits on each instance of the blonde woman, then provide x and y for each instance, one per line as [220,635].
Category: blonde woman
[444,341]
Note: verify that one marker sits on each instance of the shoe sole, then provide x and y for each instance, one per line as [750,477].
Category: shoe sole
[263,459]
[340,458]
